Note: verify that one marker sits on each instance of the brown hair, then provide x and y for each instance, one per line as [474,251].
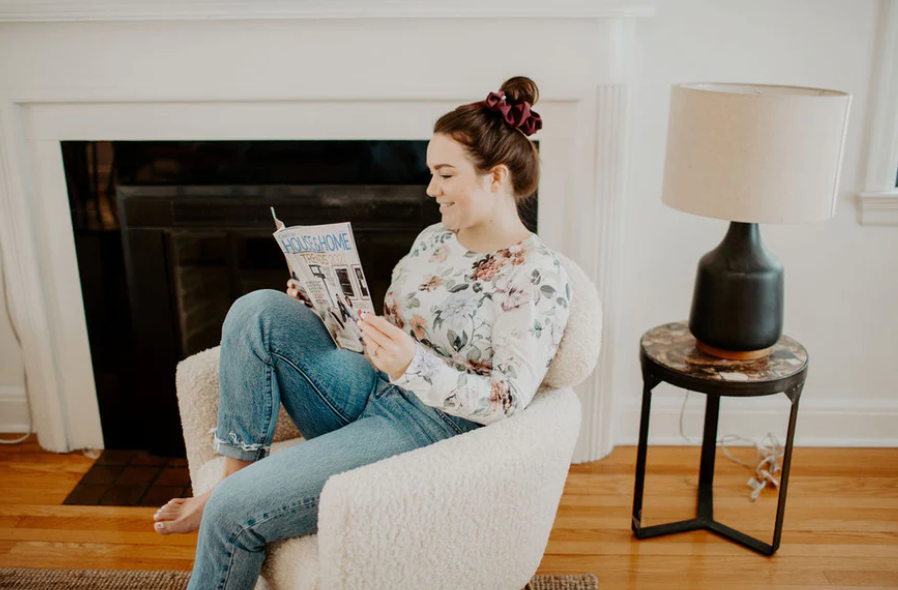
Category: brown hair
[490,141]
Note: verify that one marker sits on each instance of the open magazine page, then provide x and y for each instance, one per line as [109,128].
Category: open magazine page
[324,260]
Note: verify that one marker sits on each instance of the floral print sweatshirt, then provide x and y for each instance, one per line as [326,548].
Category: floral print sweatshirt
[486,324]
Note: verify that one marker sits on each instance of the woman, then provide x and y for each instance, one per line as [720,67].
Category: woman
[473,317]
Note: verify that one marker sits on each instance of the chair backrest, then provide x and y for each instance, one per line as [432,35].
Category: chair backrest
[579,349]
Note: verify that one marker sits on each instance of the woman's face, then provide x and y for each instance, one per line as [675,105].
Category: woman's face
[466,197]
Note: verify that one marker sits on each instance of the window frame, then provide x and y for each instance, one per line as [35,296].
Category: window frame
[878,202]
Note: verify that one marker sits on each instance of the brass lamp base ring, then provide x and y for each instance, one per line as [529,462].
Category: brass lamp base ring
[733,355]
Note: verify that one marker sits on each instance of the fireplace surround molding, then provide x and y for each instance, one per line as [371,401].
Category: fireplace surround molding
[290,71]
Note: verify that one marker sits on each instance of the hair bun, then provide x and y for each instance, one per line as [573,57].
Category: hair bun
[520,89]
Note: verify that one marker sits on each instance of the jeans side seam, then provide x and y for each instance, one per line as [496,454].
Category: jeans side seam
[314,386]
[304,503]
[222,584]
[232,540]
[272,412]
[455,426]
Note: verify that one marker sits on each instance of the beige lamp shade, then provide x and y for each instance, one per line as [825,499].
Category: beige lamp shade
[755,153]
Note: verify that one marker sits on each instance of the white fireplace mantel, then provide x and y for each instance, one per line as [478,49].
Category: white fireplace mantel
[290,70]
[112,10]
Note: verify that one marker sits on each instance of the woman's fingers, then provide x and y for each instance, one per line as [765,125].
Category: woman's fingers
[293,289]
[383,326]
[376,336]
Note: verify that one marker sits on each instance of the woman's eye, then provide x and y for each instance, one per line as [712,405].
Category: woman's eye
[446,176]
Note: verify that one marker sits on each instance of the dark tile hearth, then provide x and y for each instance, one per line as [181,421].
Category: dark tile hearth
[132,478]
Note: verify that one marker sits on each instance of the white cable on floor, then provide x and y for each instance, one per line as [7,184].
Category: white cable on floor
[768,450]
[15,334]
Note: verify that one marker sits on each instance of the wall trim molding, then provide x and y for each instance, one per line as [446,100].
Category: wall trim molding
[878,201]
[879,208]
[8,392]
[862,423]
[14,414]
[108,10]
[597,228]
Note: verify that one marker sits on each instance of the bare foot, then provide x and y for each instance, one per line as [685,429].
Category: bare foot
[181,515]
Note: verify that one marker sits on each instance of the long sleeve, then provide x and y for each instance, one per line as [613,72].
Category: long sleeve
[532,314]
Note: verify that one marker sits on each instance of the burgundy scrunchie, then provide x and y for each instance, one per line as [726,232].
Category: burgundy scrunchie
[518,115]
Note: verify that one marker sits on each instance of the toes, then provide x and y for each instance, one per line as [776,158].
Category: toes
[167,513]
[173,526]
[164,513]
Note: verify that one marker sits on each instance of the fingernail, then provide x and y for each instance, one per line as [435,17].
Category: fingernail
[160,525]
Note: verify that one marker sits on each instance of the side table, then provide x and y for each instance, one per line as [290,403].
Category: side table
[668,354]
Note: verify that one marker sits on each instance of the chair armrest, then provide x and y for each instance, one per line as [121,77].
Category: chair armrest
[489,496]
[196,380]
[197,384]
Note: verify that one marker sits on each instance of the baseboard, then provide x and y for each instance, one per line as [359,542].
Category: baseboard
[860,423]
[14,415]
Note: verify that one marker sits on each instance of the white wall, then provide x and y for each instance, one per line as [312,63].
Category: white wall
[841,277]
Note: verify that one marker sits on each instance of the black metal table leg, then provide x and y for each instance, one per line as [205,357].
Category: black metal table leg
[641,532]
[794,395]
[648,384]
[705,507]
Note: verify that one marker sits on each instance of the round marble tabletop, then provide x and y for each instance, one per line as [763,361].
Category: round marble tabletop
[673,346]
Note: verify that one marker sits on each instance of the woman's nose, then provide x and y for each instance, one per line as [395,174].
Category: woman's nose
[432,188]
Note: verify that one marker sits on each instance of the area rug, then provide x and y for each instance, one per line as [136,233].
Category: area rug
[44,579]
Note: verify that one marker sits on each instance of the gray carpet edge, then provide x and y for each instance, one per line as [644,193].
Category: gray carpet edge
[69,579]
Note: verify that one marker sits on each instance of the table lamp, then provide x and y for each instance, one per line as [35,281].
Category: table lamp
[749,154]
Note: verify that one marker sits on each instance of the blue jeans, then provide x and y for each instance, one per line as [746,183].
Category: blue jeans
[274,350]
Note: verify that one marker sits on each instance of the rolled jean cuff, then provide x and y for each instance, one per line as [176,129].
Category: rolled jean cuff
[237,450]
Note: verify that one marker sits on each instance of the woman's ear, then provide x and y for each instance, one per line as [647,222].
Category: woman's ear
[499,177]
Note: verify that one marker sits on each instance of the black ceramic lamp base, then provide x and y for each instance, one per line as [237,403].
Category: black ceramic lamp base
[737,304]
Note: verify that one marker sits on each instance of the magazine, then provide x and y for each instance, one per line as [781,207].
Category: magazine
[324,262]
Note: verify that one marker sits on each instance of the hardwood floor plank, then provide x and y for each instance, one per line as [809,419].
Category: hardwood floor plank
[119,524]
[687,501]
[94,562]
[49,535]
[49,510]
[864,578]
[87,551]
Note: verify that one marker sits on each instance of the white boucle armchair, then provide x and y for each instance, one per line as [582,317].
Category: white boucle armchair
[472,511]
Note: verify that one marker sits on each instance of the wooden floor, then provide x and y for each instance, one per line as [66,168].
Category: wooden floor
[841,525]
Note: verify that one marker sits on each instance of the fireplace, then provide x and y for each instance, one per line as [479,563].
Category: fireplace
[273,71]
[169,234]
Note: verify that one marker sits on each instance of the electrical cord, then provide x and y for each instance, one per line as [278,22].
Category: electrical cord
[15,334]
[768,451]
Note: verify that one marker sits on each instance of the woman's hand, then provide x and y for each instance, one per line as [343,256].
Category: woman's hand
[390,349]
[295,292]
